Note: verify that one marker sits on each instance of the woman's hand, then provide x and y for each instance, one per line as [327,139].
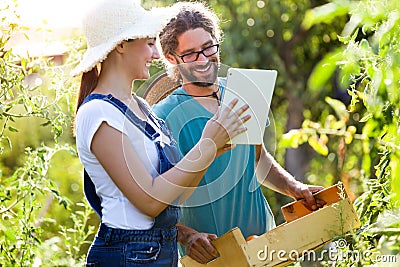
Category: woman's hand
[225,125]
[222,127]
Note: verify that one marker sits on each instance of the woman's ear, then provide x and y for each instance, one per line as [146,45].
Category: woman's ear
[120,48]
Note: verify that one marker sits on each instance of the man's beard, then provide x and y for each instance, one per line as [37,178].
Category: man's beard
[203,84]
[188,72]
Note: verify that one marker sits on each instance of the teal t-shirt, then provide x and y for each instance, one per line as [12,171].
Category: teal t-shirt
[229,194]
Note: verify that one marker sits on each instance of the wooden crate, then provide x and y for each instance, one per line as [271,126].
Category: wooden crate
[303,231]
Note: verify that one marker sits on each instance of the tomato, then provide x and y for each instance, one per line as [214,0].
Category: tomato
[251,237]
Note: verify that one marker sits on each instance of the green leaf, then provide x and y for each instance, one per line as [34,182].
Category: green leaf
[388,28]
[364,44]
[325,14]
[46,123]
[8,142]
[348,73]
[366,117]
[395,168]
[338,107]
[10,235]
[12,129]
[23,63]
[293,138]
[29,105]
[354,100]
[324,70]
[347,38]
[318,145]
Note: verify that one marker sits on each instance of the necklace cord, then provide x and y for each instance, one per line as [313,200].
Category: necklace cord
[214,95]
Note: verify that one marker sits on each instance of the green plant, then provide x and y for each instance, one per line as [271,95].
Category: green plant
[369,69]
[26,189]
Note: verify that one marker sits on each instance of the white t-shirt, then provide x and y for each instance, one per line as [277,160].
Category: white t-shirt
[117,210]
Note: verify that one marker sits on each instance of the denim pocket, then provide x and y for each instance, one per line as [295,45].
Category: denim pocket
[142,252]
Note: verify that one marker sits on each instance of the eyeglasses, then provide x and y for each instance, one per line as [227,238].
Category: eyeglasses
[193,56]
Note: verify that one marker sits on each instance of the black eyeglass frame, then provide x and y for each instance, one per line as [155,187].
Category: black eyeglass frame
[198,53]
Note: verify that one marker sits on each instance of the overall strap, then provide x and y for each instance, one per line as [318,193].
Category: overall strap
[146,128]
[155,119]
[143,126]
[90,193]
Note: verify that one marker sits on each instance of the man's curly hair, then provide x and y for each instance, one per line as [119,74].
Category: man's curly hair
[192,15]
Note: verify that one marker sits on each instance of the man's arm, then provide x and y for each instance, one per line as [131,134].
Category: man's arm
[197,245]
[274,176]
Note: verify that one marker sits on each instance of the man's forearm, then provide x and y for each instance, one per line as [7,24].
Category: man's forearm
[272,175]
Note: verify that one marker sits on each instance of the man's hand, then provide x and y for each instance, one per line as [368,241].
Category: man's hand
[197,245]
[304,192]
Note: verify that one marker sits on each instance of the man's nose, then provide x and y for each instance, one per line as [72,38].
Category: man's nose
[202,57]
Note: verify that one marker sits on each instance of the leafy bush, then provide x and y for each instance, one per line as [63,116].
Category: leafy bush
[368,66]
[33,119]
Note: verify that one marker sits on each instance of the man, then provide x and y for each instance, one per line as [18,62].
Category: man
[228,195]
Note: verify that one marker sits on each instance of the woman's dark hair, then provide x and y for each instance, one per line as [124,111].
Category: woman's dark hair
[88,83]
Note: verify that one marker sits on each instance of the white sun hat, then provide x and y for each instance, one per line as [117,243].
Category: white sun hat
[109,22]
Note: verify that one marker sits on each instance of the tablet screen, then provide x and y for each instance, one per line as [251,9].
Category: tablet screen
[254,87]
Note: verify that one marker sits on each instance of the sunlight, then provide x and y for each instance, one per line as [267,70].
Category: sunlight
[52,14]
[48,23]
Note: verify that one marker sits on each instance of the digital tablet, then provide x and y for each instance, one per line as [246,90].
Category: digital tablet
[254,87]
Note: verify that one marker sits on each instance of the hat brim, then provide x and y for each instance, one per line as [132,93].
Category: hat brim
[149,26]
[158,88]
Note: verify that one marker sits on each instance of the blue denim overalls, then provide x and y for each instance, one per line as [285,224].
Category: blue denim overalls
[156,246]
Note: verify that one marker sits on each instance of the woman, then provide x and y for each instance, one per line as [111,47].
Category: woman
[126,150]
